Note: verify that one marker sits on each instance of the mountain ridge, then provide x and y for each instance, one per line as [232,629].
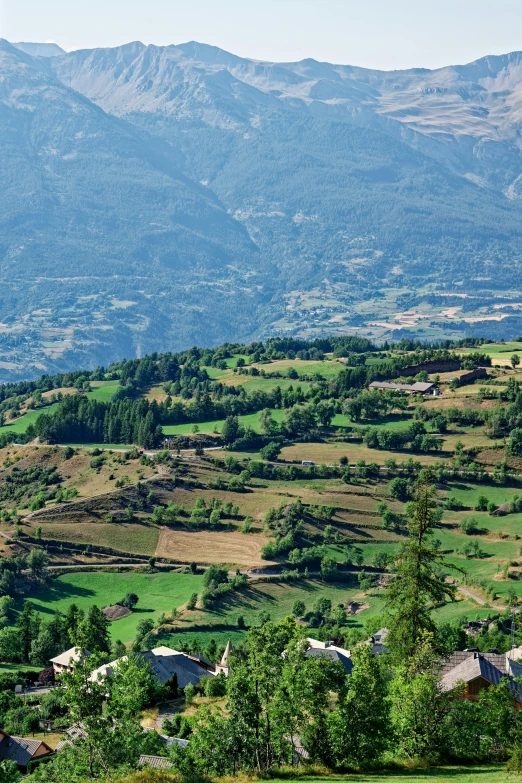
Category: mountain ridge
[231,198]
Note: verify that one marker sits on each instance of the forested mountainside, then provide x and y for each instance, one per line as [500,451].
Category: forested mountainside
[157,197]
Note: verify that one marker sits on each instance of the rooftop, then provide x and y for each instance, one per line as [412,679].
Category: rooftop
[73,655]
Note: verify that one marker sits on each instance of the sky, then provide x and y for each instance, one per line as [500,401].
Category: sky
[384,34]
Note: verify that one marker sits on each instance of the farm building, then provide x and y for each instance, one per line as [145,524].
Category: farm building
[419,387]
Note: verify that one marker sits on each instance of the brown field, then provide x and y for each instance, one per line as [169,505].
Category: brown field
[496,456]
[332,452]
[462,401]
[71,390]
[125,537]
[156,393]
[209,546]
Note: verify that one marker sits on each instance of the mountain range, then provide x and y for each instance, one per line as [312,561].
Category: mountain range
[155,197]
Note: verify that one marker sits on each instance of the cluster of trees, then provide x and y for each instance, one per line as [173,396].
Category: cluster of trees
[414,437]
[80,419]
[33,641]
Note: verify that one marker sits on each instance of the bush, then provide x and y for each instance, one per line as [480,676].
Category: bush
[482,503]
[271,451]
[214,686]
[130,600]
[298,609]
[469,527]
[400,489]
[454,504]
[190,692]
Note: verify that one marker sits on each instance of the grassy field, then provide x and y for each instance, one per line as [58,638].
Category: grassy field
[250,420]
[332,452]
[103,391]
[6,668]
[264,383]
[494,773]
[500,352]
[327,369]
[276,598]
[21,424]
[158,593]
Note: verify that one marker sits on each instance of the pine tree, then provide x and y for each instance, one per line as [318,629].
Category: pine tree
[419,581]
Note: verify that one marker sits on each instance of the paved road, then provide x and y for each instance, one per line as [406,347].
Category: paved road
[477,598]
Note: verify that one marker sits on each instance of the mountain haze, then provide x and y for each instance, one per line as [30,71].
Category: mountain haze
[160,196]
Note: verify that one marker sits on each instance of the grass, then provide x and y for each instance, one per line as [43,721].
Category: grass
[250,420]
[332,452]
[161,592]
[491,773]
[469,493]
[276,598]
[262,383]
[8,668]
[328,369]
[396,422]
[103,391]
[20,425]
[128,537]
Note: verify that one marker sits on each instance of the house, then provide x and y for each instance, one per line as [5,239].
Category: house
[224,665]
[66,660]
[316,649]
[377,642]
[156,762]
[419,387]
[478,671]
[22,750]
[165,663]
[72,734]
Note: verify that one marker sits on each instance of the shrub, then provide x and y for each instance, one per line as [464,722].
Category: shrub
[271,451]
[214,686]
[482,503]
[299,608]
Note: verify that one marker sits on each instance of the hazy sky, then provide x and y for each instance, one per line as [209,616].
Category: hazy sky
[374,33]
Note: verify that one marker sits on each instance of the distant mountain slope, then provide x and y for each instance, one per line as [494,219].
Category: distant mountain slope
[310,157]
[156,197]
[99,225]
[40,49]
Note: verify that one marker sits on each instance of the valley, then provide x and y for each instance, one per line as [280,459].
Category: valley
[114,509]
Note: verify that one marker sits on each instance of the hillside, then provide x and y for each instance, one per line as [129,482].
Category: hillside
[259,494]
[175,195]
[280,465]
[108,248]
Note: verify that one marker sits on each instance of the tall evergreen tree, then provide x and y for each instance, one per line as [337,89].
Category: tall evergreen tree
[419,582]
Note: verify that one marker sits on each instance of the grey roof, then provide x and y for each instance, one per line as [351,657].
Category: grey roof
[502,662]
[19,749]
[72,734]
[165,666]
[418,386]
[483,665]
[164,663]
[158,762]
[334,654]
